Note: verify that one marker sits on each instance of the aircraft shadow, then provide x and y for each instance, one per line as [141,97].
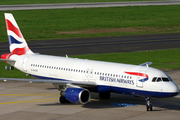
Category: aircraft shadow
[96,103]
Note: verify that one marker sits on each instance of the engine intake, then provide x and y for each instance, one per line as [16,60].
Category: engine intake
[76,95]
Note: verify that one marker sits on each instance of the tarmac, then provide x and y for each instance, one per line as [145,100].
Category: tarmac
[86,5]
[40,101]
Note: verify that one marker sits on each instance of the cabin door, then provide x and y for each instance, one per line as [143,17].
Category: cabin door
[140,78]
[91,73]
[24,64]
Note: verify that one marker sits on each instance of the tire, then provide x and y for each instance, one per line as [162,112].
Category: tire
[62,100]
[147,107]
[150,107]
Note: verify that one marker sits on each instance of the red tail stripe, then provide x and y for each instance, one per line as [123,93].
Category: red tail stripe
[20,51]
[11,27]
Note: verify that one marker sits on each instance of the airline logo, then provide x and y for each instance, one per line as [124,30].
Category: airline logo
[17,43]
[146,77]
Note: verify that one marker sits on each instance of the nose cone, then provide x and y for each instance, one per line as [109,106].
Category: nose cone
[173,89]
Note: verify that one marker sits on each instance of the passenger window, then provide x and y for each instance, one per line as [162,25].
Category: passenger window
[154,79]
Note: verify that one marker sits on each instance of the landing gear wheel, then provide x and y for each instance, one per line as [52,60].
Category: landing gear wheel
[11,68]
[7,67]
[149,108]
[104,95]
[63,100]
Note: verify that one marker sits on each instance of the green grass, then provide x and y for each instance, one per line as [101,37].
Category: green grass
[11,73]
[162,59]
[15,2]
[47,24]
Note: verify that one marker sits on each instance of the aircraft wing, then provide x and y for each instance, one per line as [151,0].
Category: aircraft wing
[83,83]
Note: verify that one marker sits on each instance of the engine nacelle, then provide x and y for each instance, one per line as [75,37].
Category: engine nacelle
[77,95]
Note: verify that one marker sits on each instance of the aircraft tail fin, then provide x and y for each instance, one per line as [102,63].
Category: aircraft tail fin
[17,43]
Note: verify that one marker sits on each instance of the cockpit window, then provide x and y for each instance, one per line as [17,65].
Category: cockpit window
[159,79]
[154,79]
[165,79]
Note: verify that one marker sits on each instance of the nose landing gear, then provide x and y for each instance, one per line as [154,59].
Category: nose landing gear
[148,103]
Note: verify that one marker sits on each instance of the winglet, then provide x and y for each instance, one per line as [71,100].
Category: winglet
[147,64]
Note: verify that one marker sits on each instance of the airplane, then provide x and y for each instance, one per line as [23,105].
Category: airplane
[77,78]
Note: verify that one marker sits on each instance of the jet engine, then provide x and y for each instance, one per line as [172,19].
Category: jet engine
[76,95]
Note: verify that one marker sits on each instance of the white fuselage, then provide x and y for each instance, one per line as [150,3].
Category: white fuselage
[109,77]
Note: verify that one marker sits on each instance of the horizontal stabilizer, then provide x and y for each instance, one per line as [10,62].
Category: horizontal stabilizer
[8,60]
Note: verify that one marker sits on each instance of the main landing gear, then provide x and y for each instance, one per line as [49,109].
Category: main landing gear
[9,67]
[104,95]
[63,100]
[148,103]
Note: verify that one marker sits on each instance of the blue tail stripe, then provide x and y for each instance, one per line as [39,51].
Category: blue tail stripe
[13,40]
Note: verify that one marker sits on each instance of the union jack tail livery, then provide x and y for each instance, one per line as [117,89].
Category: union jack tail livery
[17,43]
